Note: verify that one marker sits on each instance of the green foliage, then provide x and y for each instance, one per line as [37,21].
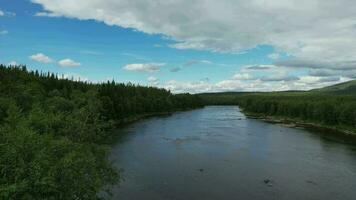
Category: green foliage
[323,106]
[348,87]
[53,132]
[327,109]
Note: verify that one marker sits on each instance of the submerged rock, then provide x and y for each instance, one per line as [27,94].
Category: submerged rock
[311,182]
[268,182]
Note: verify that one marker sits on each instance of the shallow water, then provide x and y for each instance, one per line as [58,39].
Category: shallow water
[218,153]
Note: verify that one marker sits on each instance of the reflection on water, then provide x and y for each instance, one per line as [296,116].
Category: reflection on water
[217,153]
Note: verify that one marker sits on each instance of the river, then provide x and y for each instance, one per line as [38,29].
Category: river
[217,153]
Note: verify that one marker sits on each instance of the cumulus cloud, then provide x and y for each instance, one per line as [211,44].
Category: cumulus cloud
[188,86]
[303,83]
[318,30]
[243,76]
[316,36]
[40,57]
[143,67]
[221,86]
[68,63]
[2,13]
[154,81]
[261,78]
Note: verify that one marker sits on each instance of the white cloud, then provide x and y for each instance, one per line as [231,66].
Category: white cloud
[188,86]
[153,81]
[2,13]
[316,35]
[68,63]
[12,63]
[242,76]
[46,14]
[143,67]
[40,57]
[221,86]
[302,83]
[318,30]
[263,78]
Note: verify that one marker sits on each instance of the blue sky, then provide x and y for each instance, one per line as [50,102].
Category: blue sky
[101,48]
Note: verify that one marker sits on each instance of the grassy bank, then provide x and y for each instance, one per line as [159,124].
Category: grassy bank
[294,122]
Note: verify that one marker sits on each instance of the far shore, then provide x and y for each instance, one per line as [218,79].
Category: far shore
[295,123]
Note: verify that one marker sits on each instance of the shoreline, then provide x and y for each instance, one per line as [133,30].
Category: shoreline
[119,124]
[295,123]
[133,119]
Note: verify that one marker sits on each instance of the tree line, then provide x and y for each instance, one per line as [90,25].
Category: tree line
[54,132]
[336,108]
[322,108]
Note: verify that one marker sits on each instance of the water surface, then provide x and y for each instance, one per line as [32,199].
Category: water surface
[218,153]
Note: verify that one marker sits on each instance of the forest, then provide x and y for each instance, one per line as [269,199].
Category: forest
[55,133]
[333,106]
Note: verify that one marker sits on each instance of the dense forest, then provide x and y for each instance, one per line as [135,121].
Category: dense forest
[333,106]
[54,132]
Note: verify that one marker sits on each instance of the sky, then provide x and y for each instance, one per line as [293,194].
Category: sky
[185,45]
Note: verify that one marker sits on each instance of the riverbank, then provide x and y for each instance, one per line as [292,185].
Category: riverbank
[295,123]
[133,119]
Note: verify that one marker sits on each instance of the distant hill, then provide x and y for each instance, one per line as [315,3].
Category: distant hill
[348,87]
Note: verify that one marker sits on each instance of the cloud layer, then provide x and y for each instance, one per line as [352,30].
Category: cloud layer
[262,78]
[317,36]
[143,67]
[308,30]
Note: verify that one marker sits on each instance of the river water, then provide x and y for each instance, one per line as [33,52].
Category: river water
[218,153]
